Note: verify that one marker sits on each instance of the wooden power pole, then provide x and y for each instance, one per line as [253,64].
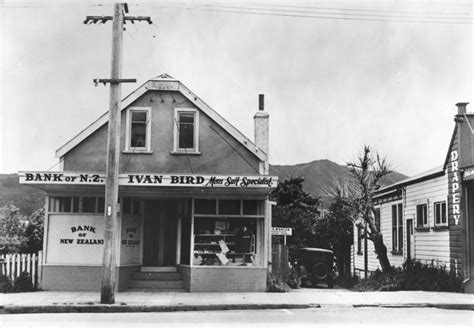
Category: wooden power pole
[107,294]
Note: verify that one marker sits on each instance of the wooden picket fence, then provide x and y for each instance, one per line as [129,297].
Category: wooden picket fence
[12,265]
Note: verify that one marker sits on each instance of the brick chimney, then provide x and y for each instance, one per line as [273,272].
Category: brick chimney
[261,119]
[462,107]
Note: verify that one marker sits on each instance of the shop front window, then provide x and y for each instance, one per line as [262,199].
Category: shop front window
[229,238]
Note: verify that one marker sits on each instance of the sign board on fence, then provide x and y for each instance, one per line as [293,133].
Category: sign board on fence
[278,231]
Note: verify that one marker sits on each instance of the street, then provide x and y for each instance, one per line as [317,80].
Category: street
[339,316]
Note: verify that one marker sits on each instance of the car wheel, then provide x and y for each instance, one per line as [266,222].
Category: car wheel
[320,270]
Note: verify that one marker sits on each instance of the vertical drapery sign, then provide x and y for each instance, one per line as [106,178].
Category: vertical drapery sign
[454,187]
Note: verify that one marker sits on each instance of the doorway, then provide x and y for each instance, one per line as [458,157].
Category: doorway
[410,239]
[160,231]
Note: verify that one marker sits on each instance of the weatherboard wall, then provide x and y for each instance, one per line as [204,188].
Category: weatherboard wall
[431,242]
[220,153]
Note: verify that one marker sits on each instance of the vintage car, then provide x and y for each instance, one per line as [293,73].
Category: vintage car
[316,265]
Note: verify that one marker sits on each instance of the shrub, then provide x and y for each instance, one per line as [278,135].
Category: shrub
[275,284]
[347,282]
[23,283]
[6,285]
[294,280]
[414,275]
[429,277]
[19,285]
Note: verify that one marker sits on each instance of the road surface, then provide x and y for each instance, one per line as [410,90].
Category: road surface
[327,316]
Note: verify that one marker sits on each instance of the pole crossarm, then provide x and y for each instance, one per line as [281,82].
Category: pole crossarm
[137,18]
[111,81]
[97,19]
[104,19]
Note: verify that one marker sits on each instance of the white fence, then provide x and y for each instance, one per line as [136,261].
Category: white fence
[12,265]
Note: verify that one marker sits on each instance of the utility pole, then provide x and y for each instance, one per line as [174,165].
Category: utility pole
[107,294]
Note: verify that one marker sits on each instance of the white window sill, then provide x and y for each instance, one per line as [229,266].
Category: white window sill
[137,151]
[182,152]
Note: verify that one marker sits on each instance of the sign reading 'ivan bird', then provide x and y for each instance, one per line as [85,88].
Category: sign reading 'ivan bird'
[139,179]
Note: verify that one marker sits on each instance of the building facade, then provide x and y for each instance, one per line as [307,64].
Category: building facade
[430,217]
[193,213]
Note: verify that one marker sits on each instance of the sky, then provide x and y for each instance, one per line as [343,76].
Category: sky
[336,75]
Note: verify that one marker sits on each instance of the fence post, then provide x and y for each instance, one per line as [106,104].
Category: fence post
[7,267]
[18,265]
[3,261]
[40,269]
[12,275]
[33,268]
[23,263]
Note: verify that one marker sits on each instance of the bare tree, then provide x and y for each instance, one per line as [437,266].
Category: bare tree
[357,193]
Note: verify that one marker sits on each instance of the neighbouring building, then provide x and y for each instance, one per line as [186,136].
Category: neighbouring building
[194,212]
[430,216]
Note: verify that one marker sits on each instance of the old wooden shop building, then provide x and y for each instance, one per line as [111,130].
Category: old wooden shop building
[430,216]
[194,212]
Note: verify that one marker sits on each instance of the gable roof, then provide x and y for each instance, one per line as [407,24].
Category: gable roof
[453,137]
[167,83]
[433,173]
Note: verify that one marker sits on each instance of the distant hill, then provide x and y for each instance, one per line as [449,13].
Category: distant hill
[318,175]
[27,199]
[321,174]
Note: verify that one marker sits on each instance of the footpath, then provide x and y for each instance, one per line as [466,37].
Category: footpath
[61,302]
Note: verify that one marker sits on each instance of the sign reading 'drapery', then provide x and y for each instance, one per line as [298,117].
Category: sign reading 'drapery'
[139,179]
[454,187]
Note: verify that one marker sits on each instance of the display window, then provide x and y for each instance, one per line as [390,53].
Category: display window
[231,236]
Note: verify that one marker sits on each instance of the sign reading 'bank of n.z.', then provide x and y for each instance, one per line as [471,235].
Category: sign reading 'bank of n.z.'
[77,178]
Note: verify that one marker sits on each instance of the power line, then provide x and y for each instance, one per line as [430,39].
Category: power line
[50,5]
[323,17]
[365,10]
[330,13]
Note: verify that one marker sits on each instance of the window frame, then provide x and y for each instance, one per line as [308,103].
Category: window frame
[359,240]
[377,216]
[397,228]
[424,223]
[195,148]
[128,130]
[258,218]
[76,205]
[445,212]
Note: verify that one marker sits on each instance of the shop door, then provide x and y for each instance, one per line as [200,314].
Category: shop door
[159,238]
[410,239]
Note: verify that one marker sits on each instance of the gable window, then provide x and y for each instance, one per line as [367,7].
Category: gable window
[422,215]
[440,213]
[138,129]
[186,131]
[397,228]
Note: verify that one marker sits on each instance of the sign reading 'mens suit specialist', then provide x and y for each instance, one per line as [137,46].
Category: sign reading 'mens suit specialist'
[140,179]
